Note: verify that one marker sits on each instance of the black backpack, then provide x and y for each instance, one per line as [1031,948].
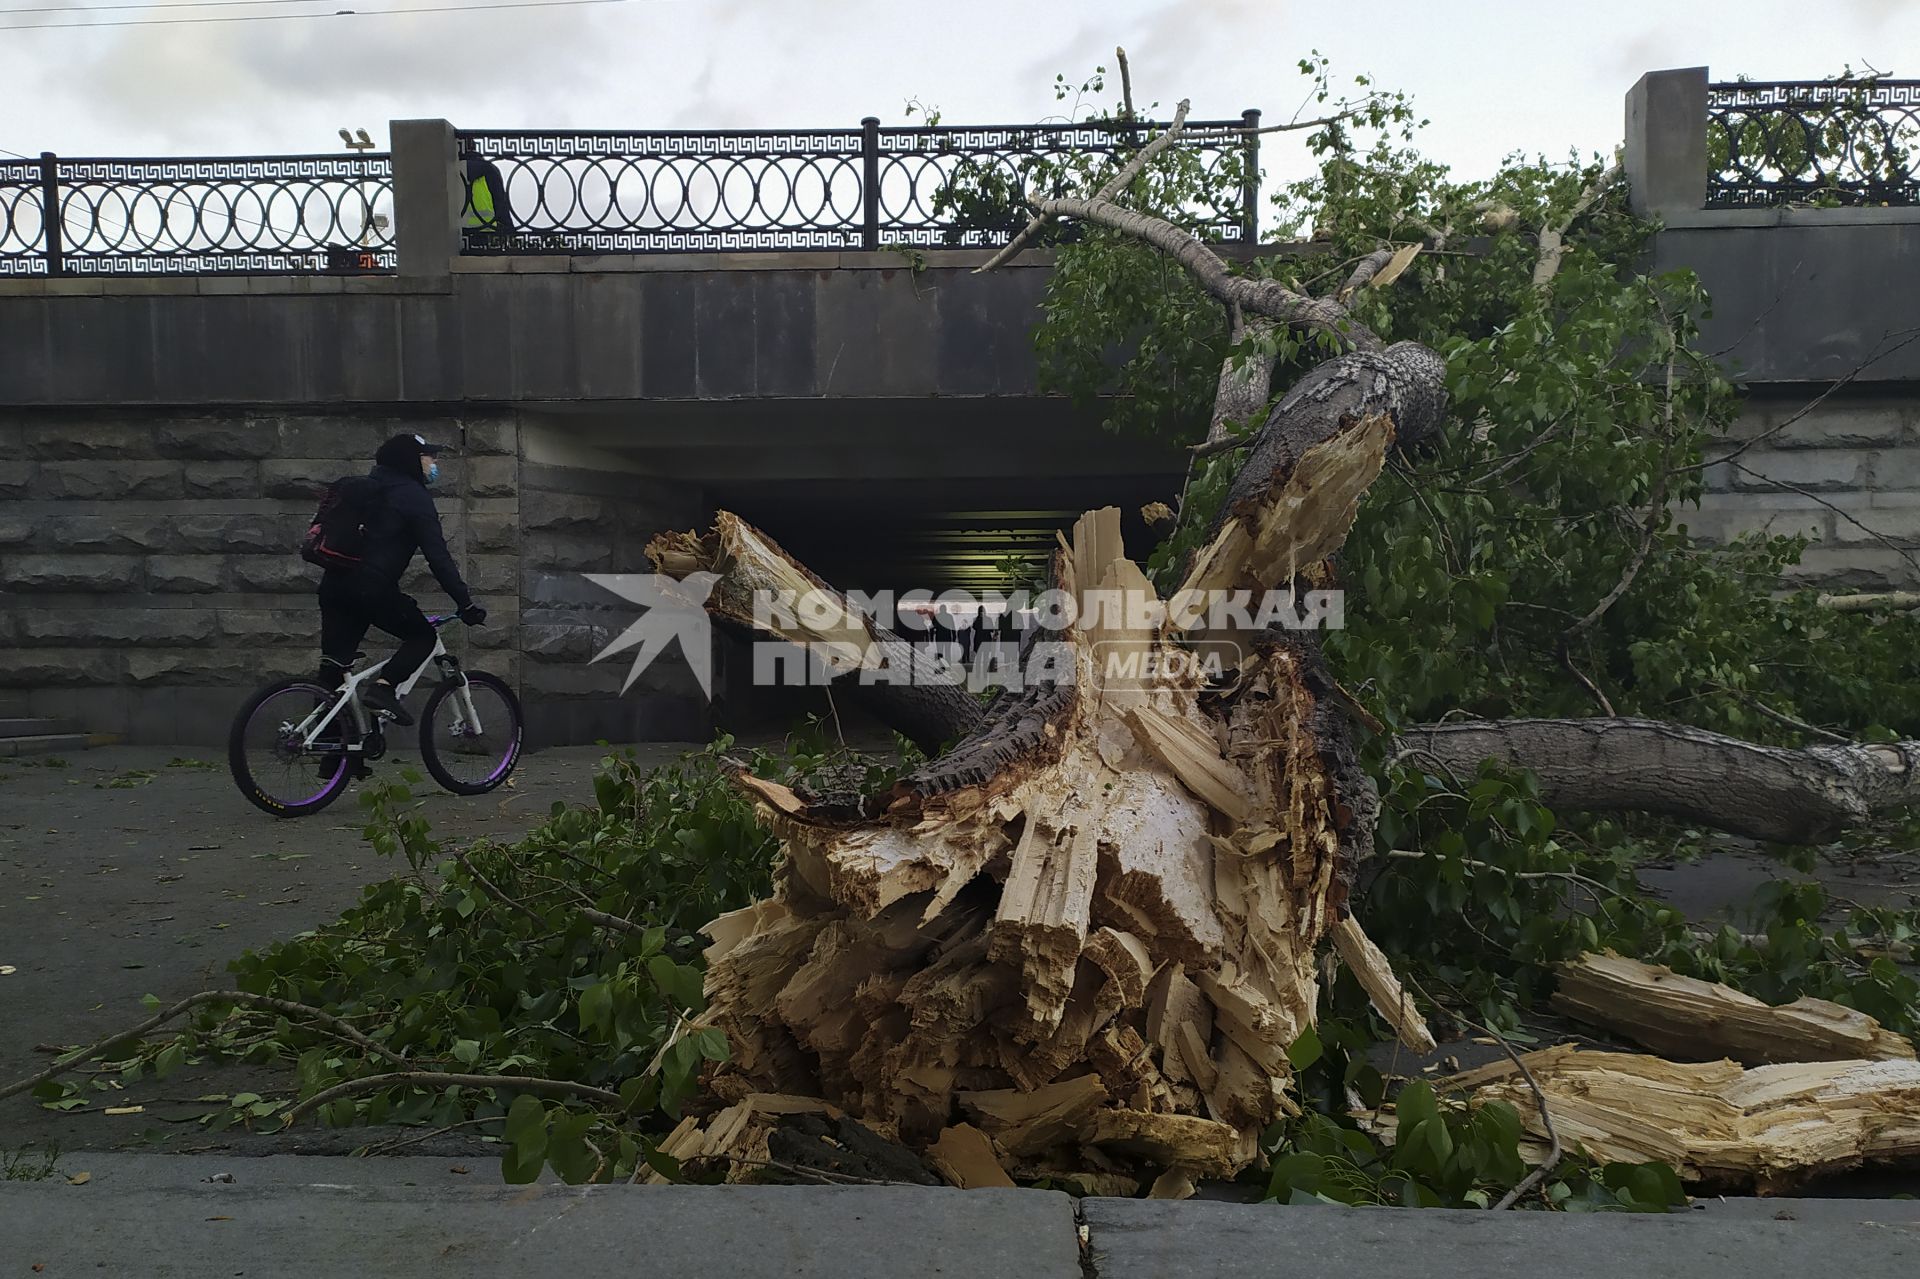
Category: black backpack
[337,536]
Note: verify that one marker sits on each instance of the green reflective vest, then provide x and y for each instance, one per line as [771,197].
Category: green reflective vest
[480,203]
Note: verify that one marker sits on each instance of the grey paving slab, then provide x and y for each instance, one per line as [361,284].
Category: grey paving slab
[540,1232]
[1136,1239]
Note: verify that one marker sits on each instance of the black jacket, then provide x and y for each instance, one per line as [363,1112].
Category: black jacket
[405,521]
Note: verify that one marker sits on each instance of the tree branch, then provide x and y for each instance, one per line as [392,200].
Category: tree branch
[1552,238]
[1118,182]
[1263,297]
[1815,498]
[442,1079]
[338,1028]
[1884,602]
[1907,336]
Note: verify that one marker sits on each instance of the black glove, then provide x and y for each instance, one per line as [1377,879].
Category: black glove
[474,615]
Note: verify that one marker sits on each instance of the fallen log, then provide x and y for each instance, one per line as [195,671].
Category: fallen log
[1720,1125]
[1618,764]
[1698,1020]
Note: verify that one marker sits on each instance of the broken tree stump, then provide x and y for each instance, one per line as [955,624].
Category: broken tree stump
[1081,943]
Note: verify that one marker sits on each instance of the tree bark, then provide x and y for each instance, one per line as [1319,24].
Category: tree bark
[1617,764]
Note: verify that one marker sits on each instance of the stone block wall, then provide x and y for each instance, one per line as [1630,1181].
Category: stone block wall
[148,572]
[1846,472]
[578,518]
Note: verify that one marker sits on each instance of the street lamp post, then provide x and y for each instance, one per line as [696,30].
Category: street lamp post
[358,141]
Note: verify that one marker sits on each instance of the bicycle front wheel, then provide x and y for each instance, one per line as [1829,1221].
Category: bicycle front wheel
[272,765]
[470,734]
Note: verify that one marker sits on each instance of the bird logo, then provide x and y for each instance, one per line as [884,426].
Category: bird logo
[676,609]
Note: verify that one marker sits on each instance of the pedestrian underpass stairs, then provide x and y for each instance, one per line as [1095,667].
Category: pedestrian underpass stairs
[28,736]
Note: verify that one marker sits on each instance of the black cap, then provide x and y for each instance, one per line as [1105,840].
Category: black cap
[402,452]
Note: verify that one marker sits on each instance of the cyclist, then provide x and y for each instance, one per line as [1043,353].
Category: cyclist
[400,520]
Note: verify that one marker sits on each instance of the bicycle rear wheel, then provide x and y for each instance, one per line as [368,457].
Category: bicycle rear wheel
[465,757]
[271,766]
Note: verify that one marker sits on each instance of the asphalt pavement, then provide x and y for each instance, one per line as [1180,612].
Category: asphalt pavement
[127,871]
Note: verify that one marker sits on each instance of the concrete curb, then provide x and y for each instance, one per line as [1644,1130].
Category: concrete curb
[417,1217]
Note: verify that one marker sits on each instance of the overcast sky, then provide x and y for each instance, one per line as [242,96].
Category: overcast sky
[1493,76]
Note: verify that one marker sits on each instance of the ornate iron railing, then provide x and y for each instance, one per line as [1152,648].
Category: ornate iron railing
[670,191]
[23,221]
[1813,142]
[237,215]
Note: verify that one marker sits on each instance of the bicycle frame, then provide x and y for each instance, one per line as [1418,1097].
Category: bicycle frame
[348,695]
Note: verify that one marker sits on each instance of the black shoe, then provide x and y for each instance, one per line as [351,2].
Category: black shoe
[380,697]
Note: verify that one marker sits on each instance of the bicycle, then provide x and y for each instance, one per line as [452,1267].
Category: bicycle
[296,745]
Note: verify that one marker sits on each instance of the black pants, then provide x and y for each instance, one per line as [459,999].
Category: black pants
[348,606]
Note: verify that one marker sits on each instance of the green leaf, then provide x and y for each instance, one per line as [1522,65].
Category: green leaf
[1415,1103]
[712,1043]
[466,1051]
[679,982]
[596,1007]
[1305,1049]
[525,1116]
[520,1164]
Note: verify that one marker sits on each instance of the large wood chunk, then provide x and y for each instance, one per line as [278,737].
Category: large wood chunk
[1719,1124]
[1689,1018]
[964,1156]
[1375,975]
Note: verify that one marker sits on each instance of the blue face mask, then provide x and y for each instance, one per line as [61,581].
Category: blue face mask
[433,471]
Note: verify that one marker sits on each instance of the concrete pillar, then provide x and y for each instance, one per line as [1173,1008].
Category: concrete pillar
[1666,152]
[428,196]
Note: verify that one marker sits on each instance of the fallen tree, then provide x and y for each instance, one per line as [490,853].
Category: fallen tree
[1090,930]
[1114,929]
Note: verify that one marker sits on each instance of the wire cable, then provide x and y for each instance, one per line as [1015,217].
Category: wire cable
[291,17]
[159,4]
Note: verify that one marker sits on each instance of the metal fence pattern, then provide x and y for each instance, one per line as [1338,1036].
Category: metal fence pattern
[214,216]
[23,226]
[865,188]
[1813,142]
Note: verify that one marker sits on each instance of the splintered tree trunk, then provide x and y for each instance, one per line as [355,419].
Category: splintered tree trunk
[1091,930]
